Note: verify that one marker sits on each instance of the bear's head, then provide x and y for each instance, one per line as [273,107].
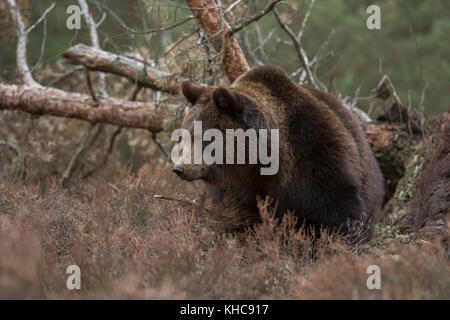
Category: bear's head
[212,114]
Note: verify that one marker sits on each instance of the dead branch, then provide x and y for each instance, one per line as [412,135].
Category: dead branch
[94,40]
[297,44]
[112,139]
[137,71]
[64,75]
[50,101]
[256,17]
[186,201]
[89,135]
[11,146]
[176,24]
[22,39]
[90,86]
[210,17]
[71,166]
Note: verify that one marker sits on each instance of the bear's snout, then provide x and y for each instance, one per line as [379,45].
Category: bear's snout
[178,170]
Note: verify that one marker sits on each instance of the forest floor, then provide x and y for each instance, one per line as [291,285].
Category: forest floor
[129,242]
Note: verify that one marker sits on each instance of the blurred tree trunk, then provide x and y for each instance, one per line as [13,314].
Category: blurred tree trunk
[210,17]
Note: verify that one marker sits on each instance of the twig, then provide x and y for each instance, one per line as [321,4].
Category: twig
[44,39]
[232,6]
[22,39]
[123,24]
[160,146]
[11,146]
[86,142]
[188,201]
[251,52]
[135,93]
[422,107]
[188,18]
[256,17]
[89,85]
[64,75]
[112,140]
[71,166]
[95,42]
[41,18]
[176,44]
[298,48]
[386,77]
[109,150]
[305,20]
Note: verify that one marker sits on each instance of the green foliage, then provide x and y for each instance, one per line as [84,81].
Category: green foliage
[412,47]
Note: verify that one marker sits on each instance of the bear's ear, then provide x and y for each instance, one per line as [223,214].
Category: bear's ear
[190,91]
[226,100]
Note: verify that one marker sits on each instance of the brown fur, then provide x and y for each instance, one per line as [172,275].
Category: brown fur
[328,174]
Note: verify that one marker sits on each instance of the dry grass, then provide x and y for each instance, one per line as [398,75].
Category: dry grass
[130,244]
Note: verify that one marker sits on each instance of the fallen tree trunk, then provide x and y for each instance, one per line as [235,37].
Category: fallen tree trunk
[49,101]
[137,71]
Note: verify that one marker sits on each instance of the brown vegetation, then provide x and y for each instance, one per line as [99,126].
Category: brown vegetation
[131,244]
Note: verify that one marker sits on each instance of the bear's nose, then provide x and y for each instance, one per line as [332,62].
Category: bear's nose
[178,170]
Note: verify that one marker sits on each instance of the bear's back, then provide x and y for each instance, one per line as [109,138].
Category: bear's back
[332,171]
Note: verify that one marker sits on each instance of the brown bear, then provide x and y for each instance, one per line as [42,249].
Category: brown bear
[328,175]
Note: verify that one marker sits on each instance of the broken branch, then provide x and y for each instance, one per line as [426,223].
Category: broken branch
[132,69]
[50,101]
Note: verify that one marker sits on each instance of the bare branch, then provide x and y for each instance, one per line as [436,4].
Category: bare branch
[94,40]
[112,140]
[298,48]
[160,146]
[41,18]
[131,30]
[186,201]
[177,24]
[44,39]
[90,87]
[232,6]
[89,136]
[22,39]
[388,80]
[71,166]
[256,17]
[64,75]
[139,72]
[305,20]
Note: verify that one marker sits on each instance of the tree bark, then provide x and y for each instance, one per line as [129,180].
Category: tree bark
[50,101]
[104,61]
[392,145]
[210,17]
[421,202]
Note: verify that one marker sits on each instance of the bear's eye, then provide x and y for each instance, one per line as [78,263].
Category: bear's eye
[203,101]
